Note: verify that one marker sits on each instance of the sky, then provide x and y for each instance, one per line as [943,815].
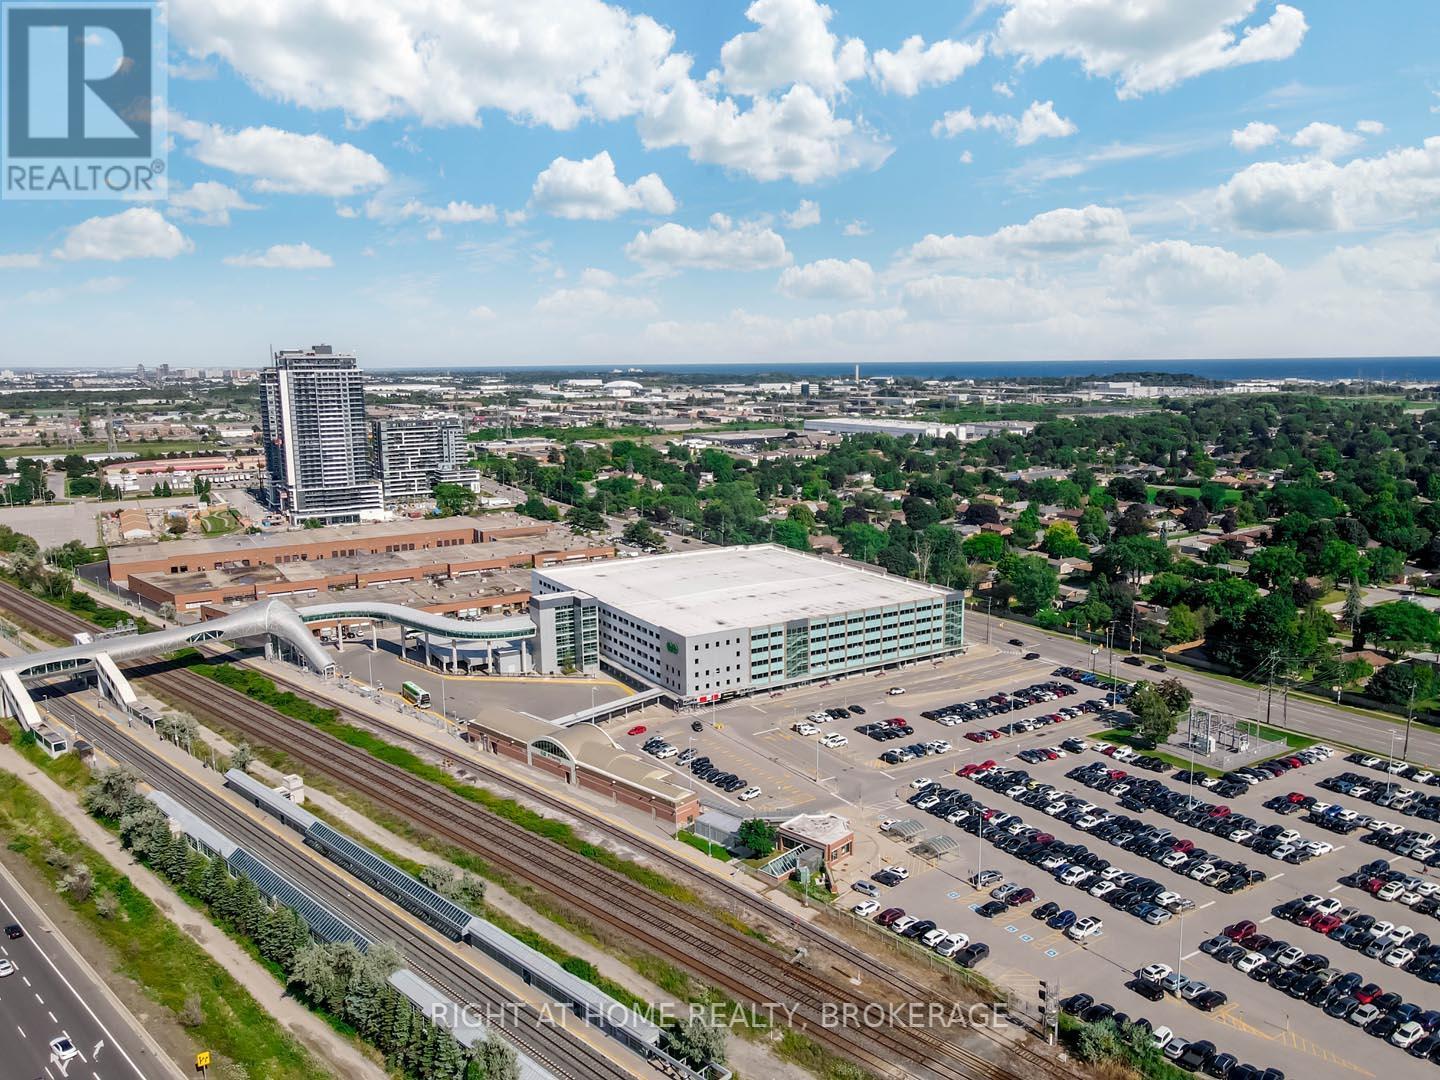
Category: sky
[444,183]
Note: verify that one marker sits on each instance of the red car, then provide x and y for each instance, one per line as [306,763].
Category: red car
[638,729]
[966,770]
[1368,993]
[896,721]
[1295,797]
[889,915]
[1242,929]
[1020,896]
[1326,923]
[988,763]
[1309,918]
[1374,885]
[1183,846]
[1220,811]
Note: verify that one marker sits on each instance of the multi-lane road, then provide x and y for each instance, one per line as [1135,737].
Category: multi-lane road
[1324,722]
[50,995]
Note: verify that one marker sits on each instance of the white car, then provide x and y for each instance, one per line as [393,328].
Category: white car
[895,691]
[1102,889]
[1155,972]
[899,871]
[903,923]
[888,823]
[1328,906]
[834,740]
[1075,875]
[1249,962]
[952,944]
[1087,927]
[1175,1047]
[62,1050]
[7,967]
[934,937]
[1320,847]
[668,752]
[1397,957]
[1161,1036]
[921,781]
[805,728]
[1390,891]
[1407,1035]
[866,908]
[749,793]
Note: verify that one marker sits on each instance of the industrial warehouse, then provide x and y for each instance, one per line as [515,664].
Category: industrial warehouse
[716,623]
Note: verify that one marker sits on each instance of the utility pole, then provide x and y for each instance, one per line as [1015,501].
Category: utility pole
[1269,685]
[1409,719]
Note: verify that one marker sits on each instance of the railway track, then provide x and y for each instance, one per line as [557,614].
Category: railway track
[552,1046]
[856,1024]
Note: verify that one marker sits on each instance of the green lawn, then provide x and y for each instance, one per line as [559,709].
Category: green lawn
[219,524]
[1230,497]
[1125,738]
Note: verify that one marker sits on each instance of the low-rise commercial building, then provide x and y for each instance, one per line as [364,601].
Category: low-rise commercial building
[245,551]
[725,621]
[585,757]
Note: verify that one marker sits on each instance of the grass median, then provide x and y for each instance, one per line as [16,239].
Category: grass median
[171,969]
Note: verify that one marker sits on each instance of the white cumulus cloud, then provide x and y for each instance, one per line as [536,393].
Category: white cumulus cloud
[589,189]
[803,216]
[1253,136]
[137,233]
[829,279]
[1150,45]
[1319,195]
[1181,273]
[722,246]
[916,65]
[1327,141]
[592,302]
[284,161]
[283,257]
[792,44]
[1062,233]
[209,203]
[1039,121]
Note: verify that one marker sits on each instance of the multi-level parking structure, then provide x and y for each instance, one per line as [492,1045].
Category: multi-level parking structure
[836,1014]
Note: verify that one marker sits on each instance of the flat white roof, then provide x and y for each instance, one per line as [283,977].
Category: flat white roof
[700,592]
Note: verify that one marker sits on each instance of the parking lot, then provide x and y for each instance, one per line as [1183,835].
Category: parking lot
[1258,1022]
[477,696]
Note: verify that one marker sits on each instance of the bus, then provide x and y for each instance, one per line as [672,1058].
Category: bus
[415,695]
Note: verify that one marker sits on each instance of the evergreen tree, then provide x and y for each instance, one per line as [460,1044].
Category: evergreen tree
[396,1032]
[449,1060]
[214,880]
[248,905]
[497,1060]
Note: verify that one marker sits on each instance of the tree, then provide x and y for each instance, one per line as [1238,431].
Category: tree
[1195,517]
[985,547]
[803,514]
[1093,527]
[1062,542]
[241,757]
[1353,611]
[1276,567]
[536,507]
[697,1042]
[452,500]
[1132,557]
[1400,626]
[112,793]
[791,534]
[643,535]
[496,1059]
[1183,625]
[1036,585]
[1175,694]
[1154,719]
[758,835]
[1400,684]
[1025,527]
[584,520]
[861,541]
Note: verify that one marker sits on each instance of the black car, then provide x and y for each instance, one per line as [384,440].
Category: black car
[992,908]
[1046,910]
[13,931]
[971,955]
[1148,990]
[1221,1064]
[1098,1012]
[1076,1004]
[696,725]
[1210,1000]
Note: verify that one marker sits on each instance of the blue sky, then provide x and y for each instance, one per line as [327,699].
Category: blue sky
[561,181]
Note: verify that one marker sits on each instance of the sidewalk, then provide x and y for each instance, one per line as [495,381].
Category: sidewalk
[317,1036]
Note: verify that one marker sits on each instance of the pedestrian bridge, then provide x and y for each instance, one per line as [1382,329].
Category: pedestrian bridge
[509,628]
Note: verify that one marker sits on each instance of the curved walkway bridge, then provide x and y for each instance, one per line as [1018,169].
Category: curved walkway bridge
[276,621]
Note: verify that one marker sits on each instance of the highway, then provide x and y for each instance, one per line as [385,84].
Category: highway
[50,995]
[1327,723]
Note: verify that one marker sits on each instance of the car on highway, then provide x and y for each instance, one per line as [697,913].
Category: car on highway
[63,1051]
[13,931]
[7,967]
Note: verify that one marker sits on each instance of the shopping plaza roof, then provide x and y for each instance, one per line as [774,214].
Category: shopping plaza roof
[700,592]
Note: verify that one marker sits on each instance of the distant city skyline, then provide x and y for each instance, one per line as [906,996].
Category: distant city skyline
[776,183]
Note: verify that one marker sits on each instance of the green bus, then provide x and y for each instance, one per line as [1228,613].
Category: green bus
[415,695]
